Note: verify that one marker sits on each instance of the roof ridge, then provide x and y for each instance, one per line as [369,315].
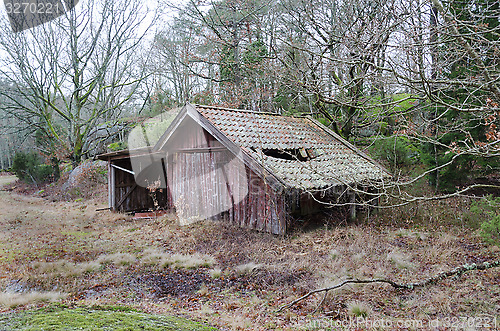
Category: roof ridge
[240,110]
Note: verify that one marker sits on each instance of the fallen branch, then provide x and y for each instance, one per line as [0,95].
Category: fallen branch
[409,286]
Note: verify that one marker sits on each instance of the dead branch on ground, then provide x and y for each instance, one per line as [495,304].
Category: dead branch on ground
[409,286]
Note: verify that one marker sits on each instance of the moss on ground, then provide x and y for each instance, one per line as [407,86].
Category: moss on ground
[94,319]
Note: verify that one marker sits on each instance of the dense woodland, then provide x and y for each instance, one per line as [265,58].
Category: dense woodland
[414,83]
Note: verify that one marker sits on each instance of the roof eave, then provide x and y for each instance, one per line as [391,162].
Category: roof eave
[124,153]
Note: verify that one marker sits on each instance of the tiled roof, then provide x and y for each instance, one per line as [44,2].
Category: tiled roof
[333,160]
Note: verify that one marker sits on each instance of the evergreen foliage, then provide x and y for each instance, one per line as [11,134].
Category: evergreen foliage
[29,168]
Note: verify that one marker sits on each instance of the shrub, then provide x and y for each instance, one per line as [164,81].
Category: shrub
[117,146]
[490,230]
[485,213]
[29,168]
[487,210]
[397,151]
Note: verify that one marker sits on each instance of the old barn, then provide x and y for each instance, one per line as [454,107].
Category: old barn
[253,169]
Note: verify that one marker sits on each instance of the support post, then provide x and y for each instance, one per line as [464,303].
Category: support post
[111,186]
[352,213]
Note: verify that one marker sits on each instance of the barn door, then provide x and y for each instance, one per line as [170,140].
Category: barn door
[205,183]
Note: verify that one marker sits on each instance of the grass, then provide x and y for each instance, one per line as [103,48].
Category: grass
[13,300]
[190,261]
[178,261]
[400,260]
[215,273]
[119,259]
[66,268]
[247,268]
[91,319]
[235,278]
[358,309]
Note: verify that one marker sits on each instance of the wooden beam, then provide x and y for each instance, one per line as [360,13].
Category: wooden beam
[164,166]
[123,169]
[125,185]
[111,187]
[201,150]
[126,196]
[352,211]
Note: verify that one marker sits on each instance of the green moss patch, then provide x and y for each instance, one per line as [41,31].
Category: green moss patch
[94,319]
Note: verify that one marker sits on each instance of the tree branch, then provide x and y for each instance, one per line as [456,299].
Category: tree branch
[408,286]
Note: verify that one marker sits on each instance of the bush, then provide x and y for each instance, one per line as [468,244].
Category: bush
[488,211]
[490,230]
[28,167]
[117,146]
[397,151]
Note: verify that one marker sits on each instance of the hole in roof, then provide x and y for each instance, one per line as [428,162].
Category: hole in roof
[292,154]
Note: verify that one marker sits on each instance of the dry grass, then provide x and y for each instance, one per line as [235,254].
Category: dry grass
[65,268]
[400,260]
[12,300]
[215,273]
[188,261]
[233,277]
[247,268]
[7,179]
[119,259]
[358,309]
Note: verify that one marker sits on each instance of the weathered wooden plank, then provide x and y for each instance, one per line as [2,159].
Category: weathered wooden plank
[111,187]
[201,150]
[123,169]
[126,196]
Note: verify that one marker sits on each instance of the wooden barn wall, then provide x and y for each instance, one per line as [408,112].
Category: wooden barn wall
[207,181]
[140,198]
[262,208]
[217,185]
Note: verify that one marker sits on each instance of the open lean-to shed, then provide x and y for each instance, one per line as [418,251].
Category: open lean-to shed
[253,169]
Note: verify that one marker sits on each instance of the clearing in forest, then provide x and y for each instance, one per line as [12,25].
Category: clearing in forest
[233,278]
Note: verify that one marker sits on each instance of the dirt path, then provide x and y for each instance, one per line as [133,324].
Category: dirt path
[33,229]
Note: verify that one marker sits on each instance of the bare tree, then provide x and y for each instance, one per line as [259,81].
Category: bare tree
[343,44]
[75,72]
[423,72]
[175,62]
[228,47]
[360,61]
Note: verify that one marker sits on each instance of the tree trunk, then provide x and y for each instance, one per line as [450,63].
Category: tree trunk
[55,165]
[434,57]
